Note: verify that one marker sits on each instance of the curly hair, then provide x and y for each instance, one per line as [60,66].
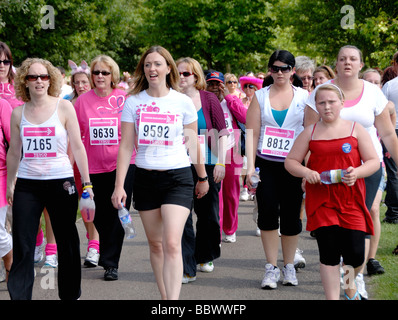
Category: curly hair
[22,92]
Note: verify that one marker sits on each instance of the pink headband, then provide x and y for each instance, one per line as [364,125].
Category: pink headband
[83,68]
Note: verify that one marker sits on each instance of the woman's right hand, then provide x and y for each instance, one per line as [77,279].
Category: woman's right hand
[119,196]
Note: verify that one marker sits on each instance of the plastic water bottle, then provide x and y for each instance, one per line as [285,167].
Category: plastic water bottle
[127,223]
[254,179]
[333,176]
[87,207]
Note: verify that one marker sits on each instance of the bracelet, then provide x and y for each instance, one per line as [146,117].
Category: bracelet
[220,164]
[88,186]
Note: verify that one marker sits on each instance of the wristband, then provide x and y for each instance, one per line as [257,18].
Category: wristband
[220,164]
[203,179]
[88,186]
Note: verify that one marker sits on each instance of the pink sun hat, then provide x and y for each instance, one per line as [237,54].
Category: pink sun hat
[251,80]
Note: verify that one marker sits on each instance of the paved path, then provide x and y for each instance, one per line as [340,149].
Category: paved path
[237,274]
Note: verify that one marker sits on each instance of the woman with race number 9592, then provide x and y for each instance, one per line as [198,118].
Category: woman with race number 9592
[162,123]
[275,119]
[99,112]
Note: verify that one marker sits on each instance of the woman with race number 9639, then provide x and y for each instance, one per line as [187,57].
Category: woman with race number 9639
[99,112]
[275,118]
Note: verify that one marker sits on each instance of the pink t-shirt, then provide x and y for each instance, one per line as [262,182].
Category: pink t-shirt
[5,118]
[7,92]
[99,120]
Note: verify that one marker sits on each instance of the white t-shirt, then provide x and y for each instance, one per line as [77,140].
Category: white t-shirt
[159,124]
[370,105]
[390,90]
[292,125]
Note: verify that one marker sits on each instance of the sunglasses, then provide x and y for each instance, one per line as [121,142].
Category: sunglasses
[285,69]
[34,77]
[231,82]
[186,74]
[104,73]
[250,86]
[5,62]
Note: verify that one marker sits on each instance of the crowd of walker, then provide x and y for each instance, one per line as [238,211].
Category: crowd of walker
[168,140]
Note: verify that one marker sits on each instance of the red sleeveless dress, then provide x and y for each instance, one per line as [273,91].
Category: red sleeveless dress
[336,204]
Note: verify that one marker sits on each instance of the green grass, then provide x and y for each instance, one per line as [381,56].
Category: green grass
[385,286]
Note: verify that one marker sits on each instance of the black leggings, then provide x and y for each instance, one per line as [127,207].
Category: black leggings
[335,241]
[60,197]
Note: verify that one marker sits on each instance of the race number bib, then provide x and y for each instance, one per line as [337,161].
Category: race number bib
[157,129]
[103,131]
[277,142]
[39,142]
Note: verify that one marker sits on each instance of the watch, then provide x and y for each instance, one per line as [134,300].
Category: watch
[203,179]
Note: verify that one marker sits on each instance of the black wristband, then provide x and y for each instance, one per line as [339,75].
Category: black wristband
[203,179]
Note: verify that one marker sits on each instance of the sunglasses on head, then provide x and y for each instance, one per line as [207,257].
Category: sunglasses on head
[98,72]
[34,77]
[250,86]
[186,74]
[6,62]
[285,69]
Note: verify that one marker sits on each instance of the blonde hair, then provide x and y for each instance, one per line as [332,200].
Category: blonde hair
[196,69]
[140,82]
[22,92]
[108,61]
[330,87]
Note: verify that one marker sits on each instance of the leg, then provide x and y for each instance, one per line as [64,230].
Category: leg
[270,241]
[330,276]
[152,222]
[174,218]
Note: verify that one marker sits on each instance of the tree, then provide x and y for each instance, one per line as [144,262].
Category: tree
[219,34]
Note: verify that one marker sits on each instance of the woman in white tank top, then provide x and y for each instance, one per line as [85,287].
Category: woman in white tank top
[42,129]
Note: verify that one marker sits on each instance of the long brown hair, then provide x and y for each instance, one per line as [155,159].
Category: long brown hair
[7,52]
[140,82]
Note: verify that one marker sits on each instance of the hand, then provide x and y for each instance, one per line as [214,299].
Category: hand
[201,189]
[218,173]
[119,196]
[223,90]
[312,177]
[350,177]
[90,192]
[10,195]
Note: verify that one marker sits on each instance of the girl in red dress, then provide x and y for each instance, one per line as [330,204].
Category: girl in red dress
[336,211]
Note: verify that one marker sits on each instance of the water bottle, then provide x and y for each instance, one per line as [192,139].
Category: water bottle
[127,223]
[333,176]
[87,207]
[254,179]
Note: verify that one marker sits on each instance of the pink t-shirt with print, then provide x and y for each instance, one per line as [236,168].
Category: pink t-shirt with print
[99,120]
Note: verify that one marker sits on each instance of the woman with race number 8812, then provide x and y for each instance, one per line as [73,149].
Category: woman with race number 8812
[275,117]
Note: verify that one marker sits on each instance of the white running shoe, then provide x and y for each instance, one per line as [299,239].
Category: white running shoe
[39,255]
[187,278]
[299,261]
[289,275]
[258,232]
[231,238]
[206,267]
[244,195]
[51,261]
[361,286]
[92,257]
[271,277]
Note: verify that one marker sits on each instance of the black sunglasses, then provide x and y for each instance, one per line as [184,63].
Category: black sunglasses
[248,85]
[231,82]
[186,74]
[285,69]
[34,77]
[6,62]
[104,73]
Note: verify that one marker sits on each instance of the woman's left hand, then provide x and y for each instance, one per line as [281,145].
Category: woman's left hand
[218,173]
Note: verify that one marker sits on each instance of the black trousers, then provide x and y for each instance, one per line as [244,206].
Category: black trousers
[205,246]
[391,199]
[60,197]
[106,220]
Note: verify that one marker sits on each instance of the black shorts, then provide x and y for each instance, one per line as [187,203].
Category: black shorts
[154,188]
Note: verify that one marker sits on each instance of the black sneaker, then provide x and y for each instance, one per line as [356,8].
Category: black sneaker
[111,274]
[373,267]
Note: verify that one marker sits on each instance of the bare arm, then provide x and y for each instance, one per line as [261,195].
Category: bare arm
[125,152]
[14,153]
[387,133]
